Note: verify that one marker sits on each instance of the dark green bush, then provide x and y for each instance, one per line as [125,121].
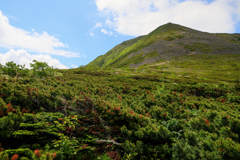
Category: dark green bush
[169,38]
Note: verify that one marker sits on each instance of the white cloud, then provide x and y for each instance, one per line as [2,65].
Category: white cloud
[237,9]
[109,23]
[139,17]
[74,66]
[110,33]
[99,24]
[12,37]
[21,57]
[91,34]
[104,31]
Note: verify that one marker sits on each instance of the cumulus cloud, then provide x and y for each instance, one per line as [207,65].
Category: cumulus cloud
[237,8]
[22,57]
[16,38]
[91,34]
[139,17]
[104,31]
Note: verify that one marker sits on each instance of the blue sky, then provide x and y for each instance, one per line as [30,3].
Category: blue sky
[67,34]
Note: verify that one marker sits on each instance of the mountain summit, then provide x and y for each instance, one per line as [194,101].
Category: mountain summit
[165,42]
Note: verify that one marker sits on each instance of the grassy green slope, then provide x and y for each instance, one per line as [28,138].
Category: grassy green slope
[230,37]
[211,69]
[103,60]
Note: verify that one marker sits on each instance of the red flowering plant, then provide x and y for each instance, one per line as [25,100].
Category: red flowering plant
[113,155]
[51,156]
[119,97]
[14,157]
[54,155]
[207,121]
[37,153]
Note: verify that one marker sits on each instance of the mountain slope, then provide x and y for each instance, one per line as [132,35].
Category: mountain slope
[165,42]
[103,60]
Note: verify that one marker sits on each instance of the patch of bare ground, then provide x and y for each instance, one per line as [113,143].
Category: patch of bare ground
[133,74]
[158,64]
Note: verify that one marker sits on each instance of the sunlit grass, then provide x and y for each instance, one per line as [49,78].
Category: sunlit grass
[190,69]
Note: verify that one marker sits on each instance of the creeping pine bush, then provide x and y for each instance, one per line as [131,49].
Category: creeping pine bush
[14,70]
[89,115]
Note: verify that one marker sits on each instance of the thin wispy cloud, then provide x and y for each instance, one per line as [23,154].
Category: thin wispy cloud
[99,24]
[109,33]
[104,31]
[139,17]
[91,34]
[74,66]
[12,17]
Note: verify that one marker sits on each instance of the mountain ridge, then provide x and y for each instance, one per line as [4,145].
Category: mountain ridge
[165,42]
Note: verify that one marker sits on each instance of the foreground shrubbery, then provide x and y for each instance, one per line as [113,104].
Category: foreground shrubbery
[40,69]
[95,115]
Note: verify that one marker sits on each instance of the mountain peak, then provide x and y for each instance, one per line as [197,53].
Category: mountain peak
[169,27]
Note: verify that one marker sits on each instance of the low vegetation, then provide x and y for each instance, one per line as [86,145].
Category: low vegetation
[138,58]
[187,108]
[205,48]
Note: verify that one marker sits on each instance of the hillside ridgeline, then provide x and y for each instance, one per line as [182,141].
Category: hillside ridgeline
[164,43]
